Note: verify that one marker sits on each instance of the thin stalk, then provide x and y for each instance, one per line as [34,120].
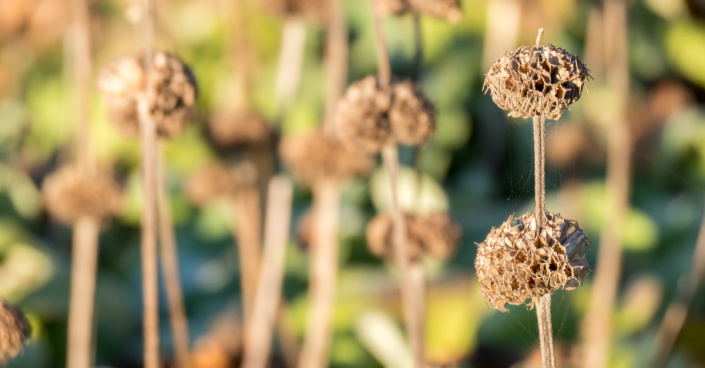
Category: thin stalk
[677,311]
[82,70]
[324,256]
[170,270]
[84,261]
[413,306]
[246,205]
[258,337]
[337,62]
[291,60]
[418,48]
[384,70]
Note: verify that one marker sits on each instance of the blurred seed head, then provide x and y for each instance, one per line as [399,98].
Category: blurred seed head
[238,131]
[432,235]
[313,9]
[316,156]
[536,81]
[14,330]
[171,98]
[573,145]
[218,180]
[446,9]
[412,116]
[517,261]
[69,194]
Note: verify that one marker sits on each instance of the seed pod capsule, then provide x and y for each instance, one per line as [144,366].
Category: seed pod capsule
[14,330]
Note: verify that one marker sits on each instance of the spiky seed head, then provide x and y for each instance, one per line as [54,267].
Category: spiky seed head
[171,99]
[412,116]
[70,194]
[362,116]
[536,81]
[317,156]
[237,131]
[518,261]
[433,235]
[14,330]
[218,180]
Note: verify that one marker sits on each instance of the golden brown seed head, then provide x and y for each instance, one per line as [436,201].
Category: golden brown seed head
[362,116]
[536,81]
[70,194]
[412,116]
[316,156]
[218,180]
[14,330]
[432,235]
[516,262]
[237,131]
[446,9]
[171,99]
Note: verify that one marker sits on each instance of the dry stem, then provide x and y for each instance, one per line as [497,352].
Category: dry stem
[337,62]
[259,336]
[418,48]
[170,269]
[83,278]
[82,70]
[383,68]
[324,256]
[290,61]
[677,311]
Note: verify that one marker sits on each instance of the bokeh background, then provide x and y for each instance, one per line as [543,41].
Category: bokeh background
[478,166]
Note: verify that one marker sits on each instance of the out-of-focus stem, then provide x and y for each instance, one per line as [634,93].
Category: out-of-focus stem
[418,48]
[597,325]
[413,312]
[84,261]
[677,311]
[337,62]
[258,337]
[170,270]
[291,60]
[324,256]
[246,204]
[82,69]
[384,70]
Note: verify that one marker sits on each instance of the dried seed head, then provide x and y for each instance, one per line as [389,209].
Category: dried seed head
[14,330]
[237,131]
[433,235]
[218,180]
[412,116]
[313,9]
[362,116]
[304,230]
[446,9]
[70,194]
[316,156]
[516,262]
[171,98]
[536,81]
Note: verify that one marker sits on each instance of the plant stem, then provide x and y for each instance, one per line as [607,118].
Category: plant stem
[82,69]
[336,62]
[290,62]
[383,68]
[324,256]
[413,306]
[84,261]
[259,336]
[418,48]
[170,270]
[677,311]
[543,312]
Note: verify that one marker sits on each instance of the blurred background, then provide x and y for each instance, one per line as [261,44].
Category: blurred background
[478,166]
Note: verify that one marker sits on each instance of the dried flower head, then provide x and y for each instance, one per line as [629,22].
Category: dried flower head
[236,131]
[536,81]
[433,235]
[305,230]
[14,330]
[412,116]
[313,9]
[517,261]
[171,98]
[217,180]
[317,156]
[446,9]
[70,194]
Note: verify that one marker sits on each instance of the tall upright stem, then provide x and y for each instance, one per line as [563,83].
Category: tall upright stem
[82,64]
[418,48]
[170,270]
[290,61]
[84,261]
[383,68]
[258,337]
[336,62]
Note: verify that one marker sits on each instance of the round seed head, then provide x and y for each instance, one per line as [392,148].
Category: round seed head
[217,180]
[305,230]
[446,9]
[433,235]
[412,116]
[536,81]
[237,131]
[14,330]
[70,194]
[362,116]
[316,156]
[171,98]
[313,9]
[517,261]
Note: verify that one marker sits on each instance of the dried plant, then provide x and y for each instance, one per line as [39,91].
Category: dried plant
[239,131]
[312,9]
[14,330]
[446,9]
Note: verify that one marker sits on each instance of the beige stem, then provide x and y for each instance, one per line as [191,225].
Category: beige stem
[170,270]
[384,70]
[414,320]
[543,312]
[291,60]
[259,336]
[324,258]
[84,261]
[336,62]
[247,230]
[82,70]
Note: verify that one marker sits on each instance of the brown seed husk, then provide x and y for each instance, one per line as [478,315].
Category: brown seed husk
[433,235]
[218,180]
[316,156]
[516,263]
[171,99]
[445,9]
[304,230]
[362,116]
[70,194]
[237,131]
[412,116]
[536,81]
[312,9]
[14,330]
